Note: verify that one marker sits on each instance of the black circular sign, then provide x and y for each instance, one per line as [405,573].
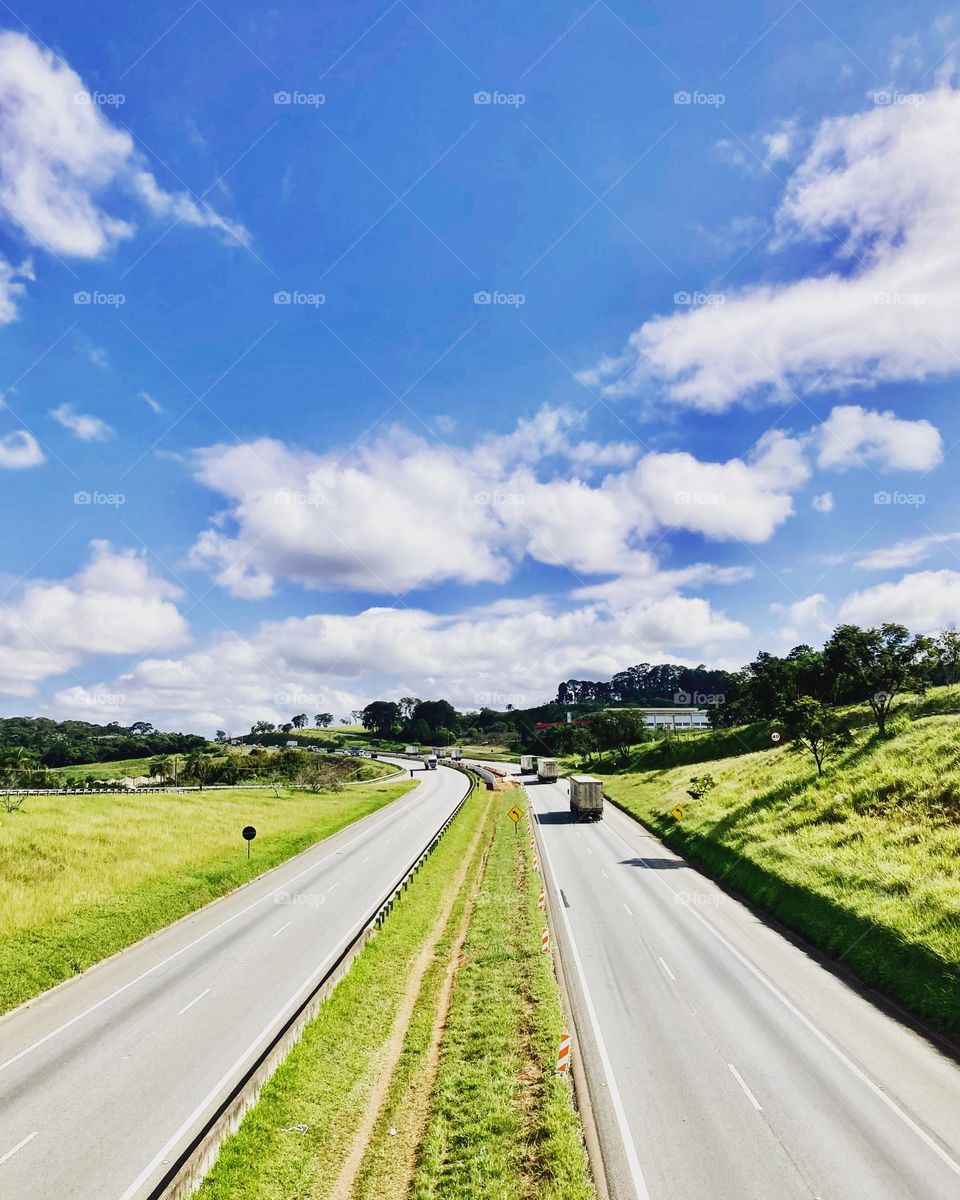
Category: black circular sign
[248,833]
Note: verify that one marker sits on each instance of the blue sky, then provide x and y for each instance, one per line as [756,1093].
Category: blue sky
[383,349]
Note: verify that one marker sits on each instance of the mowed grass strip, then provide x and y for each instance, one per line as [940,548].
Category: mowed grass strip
[864,862]
[296,1139]
[502,1123]
[84,876]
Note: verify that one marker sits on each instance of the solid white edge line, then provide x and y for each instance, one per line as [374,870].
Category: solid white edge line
[627,907]
[750,1096]
[183,949]
[802,1017]
[19,1146]
[277,932]
[666,968]
[630,1149]
[194,1001]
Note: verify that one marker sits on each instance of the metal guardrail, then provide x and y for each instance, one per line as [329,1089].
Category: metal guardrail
[184,1173]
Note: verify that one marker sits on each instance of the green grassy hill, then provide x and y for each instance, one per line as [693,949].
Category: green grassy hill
[864,862]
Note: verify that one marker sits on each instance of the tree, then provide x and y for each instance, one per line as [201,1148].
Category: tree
[323,720]
[816,728]
[947,651]
[700,786]
[618,729]
[299,720]
[438,714]
[286,727]
[221,737]
[262,727]
[160,768]
[197,768]
[879,663]
[381,717]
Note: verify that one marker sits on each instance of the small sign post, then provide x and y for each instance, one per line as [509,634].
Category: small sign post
[248,833]
[515,814]
[678,813]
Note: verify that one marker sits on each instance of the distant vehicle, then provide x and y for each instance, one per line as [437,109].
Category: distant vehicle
[410,750]
[456,753]
[527,764]
[292,745]
[586,798]
[547,770]
[430,762]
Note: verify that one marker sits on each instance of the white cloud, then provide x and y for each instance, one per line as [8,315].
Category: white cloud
[822,503]
[83,426]
[907,553]
[113,605]
[62,162]
[880,190]
[402,512]
[154,405]
[853,436]
[13,284]
[338,662]
[20,449]
[925,601]
[807,621]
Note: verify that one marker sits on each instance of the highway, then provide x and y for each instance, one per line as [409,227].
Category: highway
[105,1077]
[724,1063]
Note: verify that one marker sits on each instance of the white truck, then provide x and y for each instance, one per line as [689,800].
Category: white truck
[527,764]
[547,770]
[411,750]
[429,762]
[456,753]
[586,798]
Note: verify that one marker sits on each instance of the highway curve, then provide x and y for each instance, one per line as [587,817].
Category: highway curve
[724,1062]
[105,1078]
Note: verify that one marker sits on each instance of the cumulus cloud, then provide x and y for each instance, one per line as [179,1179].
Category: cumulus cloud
[805,621]
[83,426]
[403,512]
[63,165]
[20,449]
[113,605]
[924,601]
[853,436]
[880,192]
[338,662]
[822,503]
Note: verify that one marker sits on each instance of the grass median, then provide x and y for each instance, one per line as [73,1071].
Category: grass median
[83,876]
[464,1103]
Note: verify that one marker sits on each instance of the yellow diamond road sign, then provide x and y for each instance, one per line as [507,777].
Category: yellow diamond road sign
[515,813]
[679,812]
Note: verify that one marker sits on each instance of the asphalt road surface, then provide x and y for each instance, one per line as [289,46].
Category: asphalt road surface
[725,1063]
[103,1078]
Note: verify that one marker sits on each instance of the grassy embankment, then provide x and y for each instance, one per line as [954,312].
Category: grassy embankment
[467,1105]
[864,862]
[83,876]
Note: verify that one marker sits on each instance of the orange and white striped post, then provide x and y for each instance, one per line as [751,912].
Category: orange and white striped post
[545,940]
[563,1055]
[542,900]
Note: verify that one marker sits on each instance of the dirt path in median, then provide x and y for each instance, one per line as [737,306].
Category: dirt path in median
[392,1049]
